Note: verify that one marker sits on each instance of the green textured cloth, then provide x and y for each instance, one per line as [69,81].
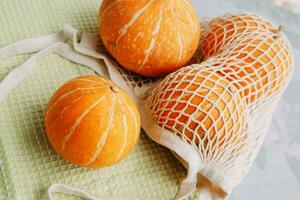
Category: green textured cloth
[28,164]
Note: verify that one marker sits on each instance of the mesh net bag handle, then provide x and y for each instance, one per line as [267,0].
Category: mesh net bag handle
[214,115]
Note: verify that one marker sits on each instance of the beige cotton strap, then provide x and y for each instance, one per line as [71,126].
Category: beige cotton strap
[86,44]
[31,45]
[67,190]
[43,46]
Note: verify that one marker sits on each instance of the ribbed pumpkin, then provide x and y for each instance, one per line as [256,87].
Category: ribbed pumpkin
[149,37]
[199,104]
[92,122]
[253,54]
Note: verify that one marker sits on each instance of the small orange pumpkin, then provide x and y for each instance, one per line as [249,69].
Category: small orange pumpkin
[92,122]
[150,37]
[200,105]
[253,53]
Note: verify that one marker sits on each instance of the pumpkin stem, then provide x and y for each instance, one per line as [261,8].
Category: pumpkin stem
[114,89]
[278,31]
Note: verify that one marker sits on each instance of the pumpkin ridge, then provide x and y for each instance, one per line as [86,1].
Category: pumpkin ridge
[63,111]
[180,42]
[87,80]
[134,19]
[187,13]
[125,124]
[186,4]
[155,33]
[102,140]
[134,117]
[78,121]
[65,95]
[110,6]
[179,37]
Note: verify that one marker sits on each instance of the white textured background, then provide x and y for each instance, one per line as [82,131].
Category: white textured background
[275,174]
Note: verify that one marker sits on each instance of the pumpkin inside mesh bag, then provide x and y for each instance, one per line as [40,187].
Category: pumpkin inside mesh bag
[214,115]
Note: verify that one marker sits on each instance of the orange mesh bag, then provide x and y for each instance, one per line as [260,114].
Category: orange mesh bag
[213,115]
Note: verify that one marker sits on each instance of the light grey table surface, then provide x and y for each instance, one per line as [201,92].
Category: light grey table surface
[276,172]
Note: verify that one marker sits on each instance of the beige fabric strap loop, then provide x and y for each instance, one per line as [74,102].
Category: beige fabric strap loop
[64,189]
[43,46]
[31,45]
